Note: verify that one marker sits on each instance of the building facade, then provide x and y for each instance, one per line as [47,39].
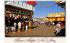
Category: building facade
[21,9]
[56,17]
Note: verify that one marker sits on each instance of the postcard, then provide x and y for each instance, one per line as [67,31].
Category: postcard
[35,21]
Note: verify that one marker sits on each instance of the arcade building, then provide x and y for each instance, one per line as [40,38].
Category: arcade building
[20,8]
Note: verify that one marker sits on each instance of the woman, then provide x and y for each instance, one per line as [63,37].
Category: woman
[19,25]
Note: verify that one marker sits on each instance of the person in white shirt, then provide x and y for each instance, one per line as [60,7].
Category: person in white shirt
[58,25]
[58,28]
[26,26]
[19,25]
[14,27]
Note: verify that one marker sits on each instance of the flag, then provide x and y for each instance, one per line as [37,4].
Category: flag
[32,3]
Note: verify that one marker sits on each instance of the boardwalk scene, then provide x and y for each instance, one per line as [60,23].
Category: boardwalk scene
[35,19]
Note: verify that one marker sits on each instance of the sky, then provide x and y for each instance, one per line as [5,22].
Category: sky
[43,8]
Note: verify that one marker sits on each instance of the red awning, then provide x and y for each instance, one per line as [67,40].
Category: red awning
[32,3]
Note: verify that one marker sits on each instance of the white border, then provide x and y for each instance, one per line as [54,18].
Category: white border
[2,21]
[68,21]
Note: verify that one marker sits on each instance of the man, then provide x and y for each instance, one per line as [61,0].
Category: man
[16,22]
[26,26]
[23,26]
[12,23]
[6,24]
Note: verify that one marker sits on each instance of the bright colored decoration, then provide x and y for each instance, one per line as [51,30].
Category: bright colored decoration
[58,19]
[32,3]
[62,19]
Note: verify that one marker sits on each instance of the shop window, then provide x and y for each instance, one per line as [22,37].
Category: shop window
[26,13]
[20,2]
[14,11]
[17,11]
[22,12]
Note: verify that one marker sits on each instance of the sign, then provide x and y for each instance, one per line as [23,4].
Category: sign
[32,3]
[20,4]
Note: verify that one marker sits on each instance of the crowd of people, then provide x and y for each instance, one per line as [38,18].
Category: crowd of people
[60,30]
[18,23]
[58,25]
[15,23]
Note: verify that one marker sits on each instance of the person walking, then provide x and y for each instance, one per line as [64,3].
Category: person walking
[26,26]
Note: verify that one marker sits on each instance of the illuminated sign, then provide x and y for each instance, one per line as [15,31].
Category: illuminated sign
[20,4]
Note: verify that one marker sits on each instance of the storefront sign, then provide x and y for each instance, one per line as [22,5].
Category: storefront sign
[20,4]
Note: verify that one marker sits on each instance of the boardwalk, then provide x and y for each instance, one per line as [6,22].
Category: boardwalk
[40,31]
